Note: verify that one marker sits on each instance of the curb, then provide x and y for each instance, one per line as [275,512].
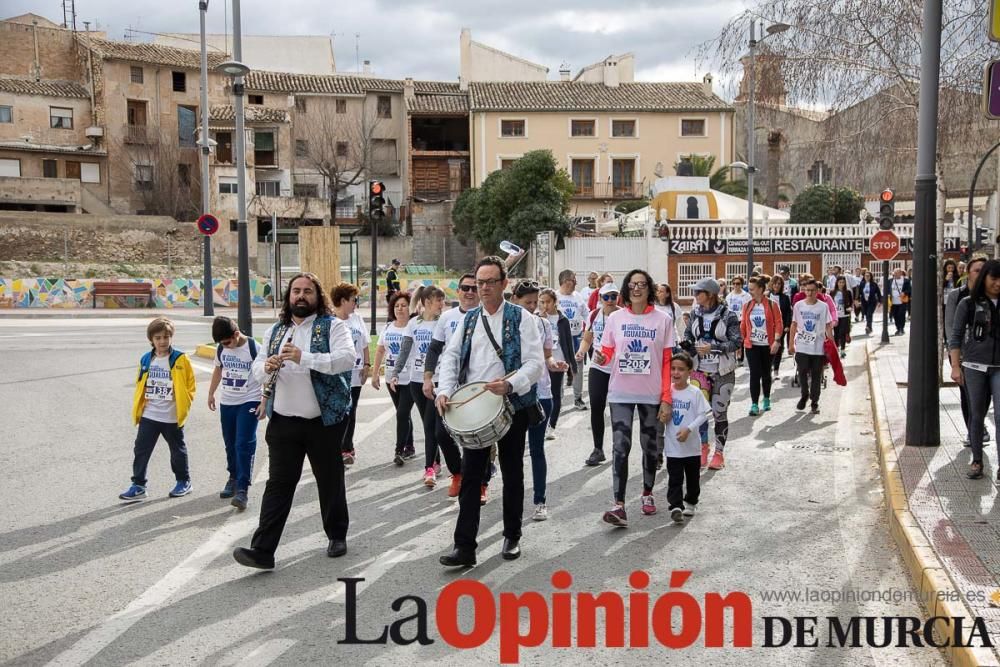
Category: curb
[928,573]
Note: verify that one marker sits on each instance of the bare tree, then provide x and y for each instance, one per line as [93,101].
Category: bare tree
[340,147]
[860,60]
[165,177]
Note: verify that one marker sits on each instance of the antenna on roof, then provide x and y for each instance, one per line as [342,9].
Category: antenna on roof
[69,14]
[357,52]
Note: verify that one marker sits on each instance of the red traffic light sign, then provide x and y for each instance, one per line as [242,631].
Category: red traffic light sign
[208,224]
[884,245]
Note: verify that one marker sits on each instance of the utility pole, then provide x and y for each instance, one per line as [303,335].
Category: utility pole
[207,290]
[923,420]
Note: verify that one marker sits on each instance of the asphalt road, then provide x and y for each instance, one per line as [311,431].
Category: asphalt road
[85,578]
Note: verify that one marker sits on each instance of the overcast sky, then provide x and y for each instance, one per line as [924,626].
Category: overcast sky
[419,38]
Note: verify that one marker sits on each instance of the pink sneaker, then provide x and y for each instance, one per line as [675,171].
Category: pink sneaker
[616,516]
[704,454]
[648,505]
[430,479]
[718,462]
[437,470]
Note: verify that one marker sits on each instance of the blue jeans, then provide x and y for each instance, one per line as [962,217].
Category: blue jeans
[145,440]
[536,446]
[239,432]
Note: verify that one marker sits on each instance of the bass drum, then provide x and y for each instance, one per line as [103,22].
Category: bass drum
[480,422]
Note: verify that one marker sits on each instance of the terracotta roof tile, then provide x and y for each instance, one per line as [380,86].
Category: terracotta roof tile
[576,96]
[252,114]
[428,104]
[337,84]
[52,88]
[144,52]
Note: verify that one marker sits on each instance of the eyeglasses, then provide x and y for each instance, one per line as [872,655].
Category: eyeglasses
[489,282]
[610,296]
[467,288]
[641,284]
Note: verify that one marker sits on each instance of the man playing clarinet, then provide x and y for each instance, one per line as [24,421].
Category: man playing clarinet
[496,343]
[307,374]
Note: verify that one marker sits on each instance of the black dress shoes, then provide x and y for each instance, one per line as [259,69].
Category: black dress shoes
[253,558]
[511,549]
[457,558]
[336,548]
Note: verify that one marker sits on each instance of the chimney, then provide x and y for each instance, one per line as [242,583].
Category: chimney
[564,72]
[706,85]
[367,67]
[408,90]
[611,73]
[464,59]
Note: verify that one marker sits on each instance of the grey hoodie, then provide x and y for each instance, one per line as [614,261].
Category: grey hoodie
[971,317]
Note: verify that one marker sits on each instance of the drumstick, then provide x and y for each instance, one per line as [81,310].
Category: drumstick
[480,392]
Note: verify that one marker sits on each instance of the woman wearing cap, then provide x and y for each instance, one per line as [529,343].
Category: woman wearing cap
[713,333]
[636,343]
[597,382]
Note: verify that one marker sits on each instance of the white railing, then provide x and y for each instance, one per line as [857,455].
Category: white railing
[784,230]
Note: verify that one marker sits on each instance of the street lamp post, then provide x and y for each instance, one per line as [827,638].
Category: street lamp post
[207,292]
[237,70]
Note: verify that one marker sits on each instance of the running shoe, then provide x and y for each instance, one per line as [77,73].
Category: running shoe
[596,458]
[704,454]
[815,408]
[689,510]
[482,494]
[409,452]
[767,405]
[134,493]
[843,354]
[437,469]
[579,404]
[430,479]
[616,516]
[239,500]
[455,486]
[398,458]
[229,489]
[718,462]
[348,458]
[648,505]
[180,489]
[677,514]
[550,433]
[801,405]
[754,410]
[541,512]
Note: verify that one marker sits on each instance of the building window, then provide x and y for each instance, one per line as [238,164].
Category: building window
[268,188]
[341,106]
[300,104]
[305,190]
[10,167]
[90,172]
[6,114]
[135,74]
[50,169]
[583,176]
[623,128]
[384,106]
[186,124]
[583,128]
[693,127]
[255,99]
[734,269]
[689,274]
[341,149]
[224,147]
[512,128]
[61,118]
[180,82]
[623,177]
[184,174]
[143,177]
[796,269]
[301,148]
[507,163]
[234,225]
[228,188]
[820,173]
[263,148]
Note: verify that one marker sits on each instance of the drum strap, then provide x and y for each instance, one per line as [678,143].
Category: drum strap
[489,334]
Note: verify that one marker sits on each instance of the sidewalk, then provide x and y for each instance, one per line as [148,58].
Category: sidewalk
[946,525]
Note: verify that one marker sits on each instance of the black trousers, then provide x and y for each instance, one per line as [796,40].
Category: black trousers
[597,386]
[963,394]
[759,359]
[347,445]
[840,332]
[810,374]
[776,358]
[898,313]
[680,470]
[289,441]
[870,315]
[452,454]
[402,400]
[510,451]
[558,379]
[428,418]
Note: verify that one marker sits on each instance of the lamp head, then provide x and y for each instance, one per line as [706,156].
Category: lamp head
[775,28]
[233,68]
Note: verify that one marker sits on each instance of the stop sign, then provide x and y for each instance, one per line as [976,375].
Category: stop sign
[884,244]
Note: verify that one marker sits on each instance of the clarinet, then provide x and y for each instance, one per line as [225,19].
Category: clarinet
[267,389]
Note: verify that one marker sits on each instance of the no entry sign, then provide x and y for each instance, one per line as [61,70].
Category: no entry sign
[884,245]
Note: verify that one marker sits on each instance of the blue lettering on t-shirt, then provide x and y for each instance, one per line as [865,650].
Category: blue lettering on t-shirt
[637,331]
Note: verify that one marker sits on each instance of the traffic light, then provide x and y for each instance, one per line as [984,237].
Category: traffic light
[887,209]
[376,199]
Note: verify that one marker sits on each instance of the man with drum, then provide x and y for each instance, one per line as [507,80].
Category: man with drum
[498,345]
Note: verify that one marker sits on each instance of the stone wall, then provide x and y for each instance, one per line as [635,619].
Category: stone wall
[433,241]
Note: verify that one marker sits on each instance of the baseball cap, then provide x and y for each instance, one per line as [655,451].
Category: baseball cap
[710,285]
[609,288]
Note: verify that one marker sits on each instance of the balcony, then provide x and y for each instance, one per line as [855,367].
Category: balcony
[139,134]
[609,191]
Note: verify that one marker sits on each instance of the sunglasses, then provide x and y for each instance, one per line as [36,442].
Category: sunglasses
[468,288]
[526,287]
[610,296]
[642,284]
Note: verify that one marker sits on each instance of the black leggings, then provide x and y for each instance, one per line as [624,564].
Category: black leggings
[403,400]
[810,375]
[898,313]
[869,316]
[759,358]
[347,444]
[776,358]
[428,416]
[557,391]
[597,386]
[840,333]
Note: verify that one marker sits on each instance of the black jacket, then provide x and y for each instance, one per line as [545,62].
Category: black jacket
[874,295]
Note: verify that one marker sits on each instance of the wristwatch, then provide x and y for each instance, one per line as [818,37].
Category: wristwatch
[510,387]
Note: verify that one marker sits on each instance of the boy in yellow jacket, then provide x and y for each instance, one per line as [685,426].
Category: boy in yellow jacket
[164,392]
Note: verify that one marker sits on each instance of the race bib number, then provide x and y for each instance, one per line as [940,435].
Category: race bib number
[806,337]
[358,362]
[418,364]
[390,363]
[758,336]
[634,363]
[575,327]
[235,380]
[159,389]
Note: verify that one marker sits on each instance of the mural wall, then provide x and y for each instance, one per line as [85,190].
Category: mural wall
[167,293]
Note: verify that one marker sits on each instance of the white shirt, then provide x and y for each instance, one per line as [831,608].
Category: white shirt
[359,334]
[447,323]
[896,289]
[574,307]
[421,331]
[810,326]
[391,340]
[557,352]
[831,282]
[758,325]
[545,381]
[293,394]
[737,301]
[238,383]
[160,404]
[690,410]
[597,329]
[484,363]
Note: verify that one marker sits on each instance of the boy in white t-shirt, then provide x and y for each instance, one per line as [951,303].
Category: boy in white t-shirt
[681,447]
[240,405]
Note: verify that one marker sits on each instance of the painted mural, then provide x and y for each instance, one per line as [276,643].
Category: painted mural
[167,293]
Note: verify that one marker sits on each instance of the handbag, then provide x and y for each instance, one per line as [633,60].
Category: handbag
[535,413]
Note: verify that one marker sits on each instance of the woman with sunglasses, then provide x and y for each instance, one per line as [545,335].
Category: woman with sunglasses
[637,344]
[416,342]
[597,382]
[562,351]
[713,334]
[345,302]
[390,342]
